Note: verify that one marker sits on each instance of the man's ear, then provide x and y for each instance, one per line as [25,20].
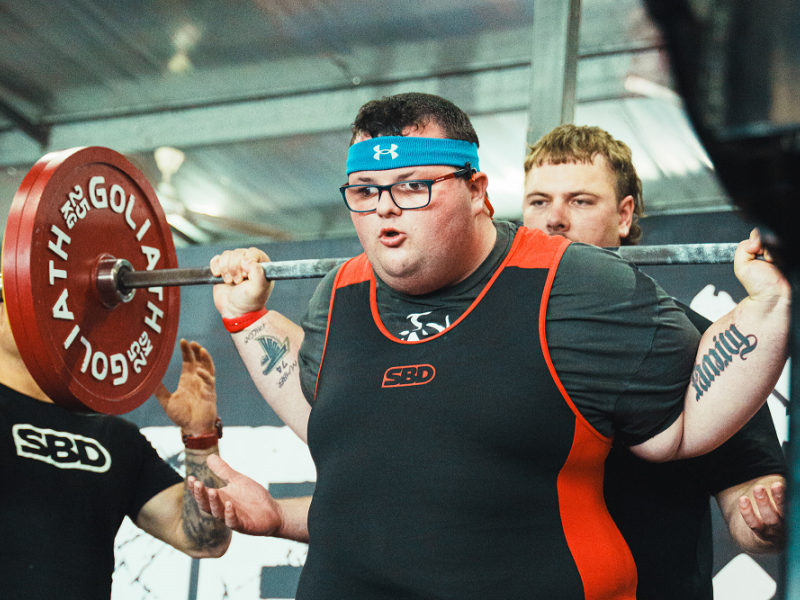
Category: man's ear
[477,187]
[625,212]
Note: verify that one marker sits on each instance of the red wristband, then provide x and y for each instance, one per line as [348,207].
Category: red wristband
[206,440]
[236,324]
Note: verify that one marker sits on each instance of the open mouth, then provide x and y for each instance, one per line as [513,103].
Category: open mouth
[391,237]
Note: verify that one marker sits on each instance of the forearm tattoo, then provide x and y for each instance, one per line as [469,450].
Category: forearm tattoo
[203,530]
[727,344]
[275,357]
[253,333]
[275,353]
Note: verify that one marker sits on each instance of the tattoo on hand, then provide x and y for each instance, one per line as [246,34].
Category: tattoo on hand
[728,344]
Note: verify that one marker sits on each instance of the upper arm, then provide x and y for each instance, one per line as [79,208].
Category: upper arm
[620,346]
[662,446]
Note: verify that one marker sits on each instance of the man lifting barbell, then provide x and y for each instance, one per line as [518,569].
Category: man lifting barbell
[470,477]
[86,317]
[71,478]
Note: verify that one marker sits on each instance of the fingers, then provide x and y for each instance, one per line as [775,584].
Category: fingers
[748,513]
[231,518]
[228,265]
[187,352]
[753,243]
[200,493]
[748,250]
[220,468]
[196,359]
[764,517]
[210,501]
[753,247]
[769,513]
[778,490]
[762,280]
[204,359]
[215,503]
[247,289]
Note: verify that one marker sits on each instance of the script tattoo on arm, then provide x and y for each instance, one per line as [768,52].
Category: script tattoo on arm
[251,335]
[728,344]
[201,529]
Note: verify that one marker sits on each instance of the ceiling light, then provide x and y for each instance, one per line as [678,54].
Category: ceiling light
[168,160]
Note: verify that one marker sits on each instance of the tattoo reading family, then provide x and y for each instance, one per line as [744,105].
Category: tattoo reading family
[728,343]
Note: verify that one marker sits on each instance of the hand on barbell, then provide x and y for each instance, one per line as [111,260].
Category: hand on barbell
[245,289]
[243,504]
[193,406]
[763,281]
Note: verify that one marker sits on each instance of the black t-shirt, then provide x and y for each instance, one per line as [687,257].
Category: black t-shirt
[69,481]
[621,347]
[662,509]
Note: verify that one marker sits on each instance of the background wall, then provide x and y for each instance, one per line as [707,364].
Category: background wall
[256,442]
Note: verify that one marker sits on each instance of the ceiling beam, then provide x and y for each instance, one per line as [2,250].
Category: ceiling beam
[481,93]
[36,132]
[554,66]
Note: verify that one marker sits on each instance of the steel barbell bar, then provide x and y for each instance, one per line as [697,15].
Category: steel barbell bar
[683,254]
[124,278]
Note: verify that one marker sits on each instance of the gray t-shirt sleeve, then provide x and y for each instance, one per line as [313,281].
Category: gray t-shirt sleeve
[621,347]
[315,325]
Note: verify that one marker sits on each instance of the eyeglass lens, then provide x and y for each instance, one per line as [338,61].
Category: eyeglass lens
[406,194]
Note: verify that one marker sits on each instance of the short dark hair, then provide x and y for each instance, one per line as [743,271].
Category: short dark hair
[580,144]
[392,114]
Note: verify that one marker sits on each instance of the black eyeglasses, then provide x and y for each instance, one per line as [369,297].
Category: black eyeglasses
[407,195]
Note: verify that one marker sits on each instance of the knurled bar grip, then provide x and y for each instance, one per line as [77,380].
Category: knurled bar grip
[684,254]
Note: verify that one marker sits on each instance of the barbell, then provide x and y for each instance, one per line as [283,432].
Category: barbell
[84,233]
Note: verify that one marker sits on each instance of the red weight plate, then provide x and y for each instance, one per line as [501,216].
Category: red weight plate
[73,208]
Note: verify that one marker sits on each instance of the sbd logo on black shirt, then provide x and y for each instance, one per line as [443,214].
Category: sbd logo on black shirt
[60,448]
[409,375]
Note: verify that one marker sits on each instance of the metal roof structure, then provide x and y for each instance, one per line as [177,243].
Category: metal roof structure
[258,96]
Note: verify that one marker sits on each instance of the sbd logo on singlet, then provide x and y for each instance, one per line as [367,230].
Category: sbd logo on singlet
[409,375]
[60,448]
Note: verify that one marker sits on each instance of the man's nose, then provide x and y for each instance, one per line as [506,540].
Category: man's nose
[386,205]
[558,217]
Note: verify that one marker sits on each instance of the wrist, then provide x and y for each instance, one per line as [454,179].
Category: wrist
[236,324]
[203,441]
[767,306]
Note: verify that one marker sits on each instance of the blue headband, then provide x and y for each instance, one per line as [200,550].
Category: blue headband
[393,152]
